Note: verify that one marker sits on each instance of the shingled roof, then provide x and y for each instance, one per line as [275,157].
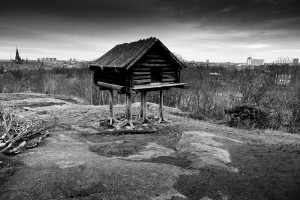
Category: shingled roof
[127,54]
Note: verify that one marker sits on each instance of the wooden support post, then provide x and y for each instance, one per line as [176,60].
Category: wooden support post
[112,118]
[92,84]
[161,101]
[111,104]
[142,104]
[128,112]
[126,103]
[144,108]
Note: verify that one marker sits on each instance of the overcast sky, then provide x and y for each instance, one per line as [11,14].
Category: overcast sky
[218,30]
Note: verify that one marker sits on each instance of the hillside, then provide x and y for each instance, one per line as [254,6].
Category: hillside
[183,159]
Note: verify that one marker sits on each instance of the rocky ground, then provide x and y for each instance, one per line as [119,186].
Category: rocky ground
[183,159]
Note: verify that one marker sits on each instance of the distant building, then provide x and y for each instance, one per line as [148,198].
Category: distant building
[207,61]
[18,63]
[257,62]
[254,62]
[249,60]
[296,61]
[47,60]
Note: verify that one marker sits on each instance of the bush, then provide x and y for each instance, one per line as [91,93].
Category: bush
[197,115]
[248,116]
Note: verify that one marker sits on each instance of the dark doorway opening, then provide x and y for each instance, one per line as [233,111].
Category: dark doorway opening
[156,74]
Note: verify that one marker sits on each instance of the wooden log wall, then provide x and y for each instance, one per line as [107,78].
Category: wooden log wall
[156,57]
[141,75]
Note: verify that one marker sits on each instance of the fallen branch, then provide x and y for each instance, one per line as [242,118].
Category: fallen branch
[17,134]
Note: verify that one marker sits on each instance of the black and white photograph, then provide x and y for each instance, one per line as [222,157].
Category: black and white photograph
[149,99]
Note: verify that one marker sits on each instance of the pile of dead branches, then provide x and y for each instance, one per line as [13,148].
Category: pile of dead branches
[17,135]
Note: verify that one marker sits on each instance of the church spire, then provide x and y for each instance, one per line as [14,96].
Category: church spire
[18,58]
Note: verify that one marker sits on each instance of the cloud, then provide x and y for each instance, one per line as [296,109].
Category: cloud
[258,46]
[82,10]
[222,15]
[287,50]
[207,12]
[9,33]
[42,44]
[184,25]
[228,9]
[232,14]
[252,46]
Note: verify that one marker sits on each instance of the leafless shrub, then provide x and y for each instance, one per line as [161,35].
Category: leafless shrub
[254,88]
[9,84]
[294,105]
[207,97]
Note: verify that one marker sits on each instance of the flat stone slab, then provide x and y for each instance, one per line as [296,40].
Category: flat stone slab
[196,146]
[152,150]
[201,148]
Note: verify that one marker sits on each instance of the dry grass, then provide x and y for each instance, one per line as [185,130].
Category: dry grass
[265,158]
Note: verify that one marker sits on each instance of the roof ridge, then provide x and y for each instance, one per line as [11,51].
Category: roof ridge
[140,40]
[142,51]
[127,54]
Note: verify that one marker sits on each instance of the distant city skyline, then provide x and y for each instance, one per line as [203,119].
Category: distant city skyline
[219,30]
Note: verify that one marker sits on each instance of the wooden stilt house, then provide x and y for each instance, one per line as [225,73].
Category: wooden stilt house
[141,66]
